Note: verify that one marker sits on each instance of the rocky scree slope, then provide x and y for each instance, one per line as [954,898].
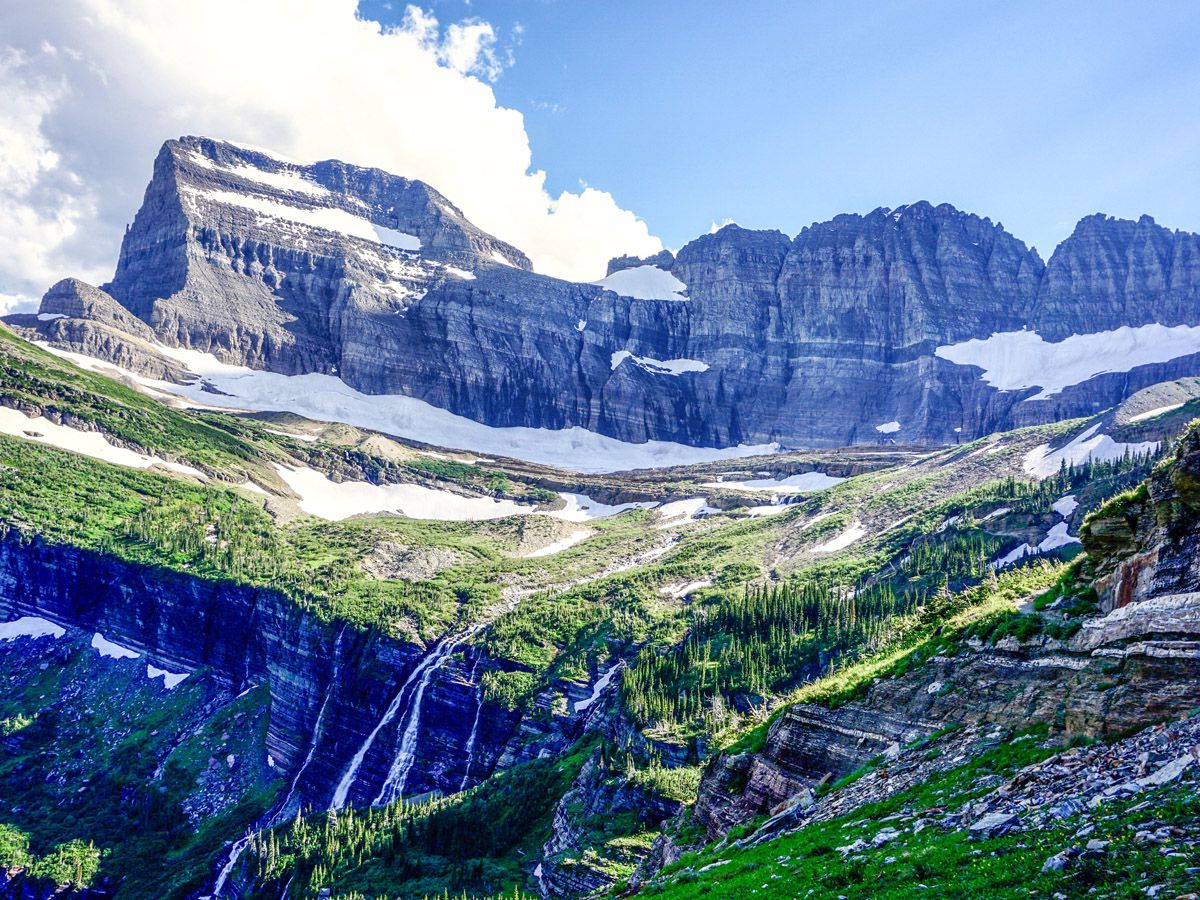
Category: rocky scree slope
[854,331]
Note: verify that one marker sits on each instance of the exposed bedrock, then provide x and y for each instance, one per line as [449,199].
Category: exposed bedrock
[1136,662]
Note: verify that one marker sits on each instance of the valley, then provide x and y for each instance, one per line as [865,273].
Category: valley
[327,568]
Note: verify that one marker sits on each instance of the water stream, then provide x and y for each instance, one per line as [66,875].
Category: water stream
[274,816]
[474,725]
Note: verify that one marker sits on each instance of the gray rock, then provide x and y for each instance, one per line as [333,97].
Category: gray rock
[1067,809]
[885,836]
[1169,772]
[1057,863]
[993,825]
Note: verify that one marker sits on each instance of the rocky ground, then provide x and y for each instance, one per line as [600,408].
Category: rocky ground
[1079,785]
[1115,819]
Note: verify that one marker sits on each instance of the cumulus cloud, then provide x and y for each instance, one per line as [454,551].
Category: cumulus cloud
[43,202]
[93,87]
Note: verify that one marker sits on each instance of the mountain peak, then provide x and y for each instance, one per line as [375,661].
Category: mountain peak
[328,199]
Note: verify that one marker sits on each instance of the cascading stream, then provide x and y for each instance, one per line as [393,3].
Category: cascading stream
[421,676]
[418,674]
[318,729]
[235,853]
[474,725]
[406,749]
[273,818]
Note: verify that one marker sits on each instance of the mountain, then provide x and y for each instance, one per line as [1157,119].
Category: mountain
[921,324]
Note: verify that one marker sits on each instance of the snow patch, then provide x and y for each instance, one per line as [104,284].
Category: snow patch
[288,180]
[581,507]
[805,481]
[660,366]
[888,427]
[328,398]
[50,317]
[171,680]
[1042,462]
[644,283]
[294,435]
[401,240]
[1056,537]
[326,499]
[581,325]
[1140,417]
[767,509]
[947,522]
[327,218]
[272,154]
[601,683]
[499,257]
[105,647]
[559,546]
[679,512]
[854,533]
[1065,506]
[1015,360]
[87,443]
[679,591]
[30,627]
[1012,556]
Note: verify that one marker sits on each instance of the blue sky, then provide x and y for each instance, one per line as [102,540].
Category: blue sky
[778,114]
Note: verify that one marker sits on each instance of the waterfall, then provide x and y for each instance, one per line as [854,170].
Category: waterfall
[431,660]
[422,676]
[474,725]
[273,818]
[402,762]
[235,854]
[318,729]
[601,684]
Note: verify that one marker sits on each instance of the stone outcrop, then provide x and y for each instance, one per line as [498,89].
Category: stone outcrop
[80,318]
[1076,688]
[815,340]
[595,799]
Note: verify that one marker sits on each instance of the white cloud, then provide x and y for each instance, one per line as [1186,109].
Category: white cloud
[43,201]
[467,47]
[93,87]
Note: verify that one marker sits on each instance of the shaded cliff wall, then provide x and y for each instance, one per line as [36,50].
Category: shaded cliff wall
[243,636]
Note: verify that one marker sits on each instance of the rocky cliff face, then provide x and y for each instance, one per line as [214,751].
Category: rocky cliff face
[570,864]
[827,339]
[329,685]
[1114,272]
[340,699]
